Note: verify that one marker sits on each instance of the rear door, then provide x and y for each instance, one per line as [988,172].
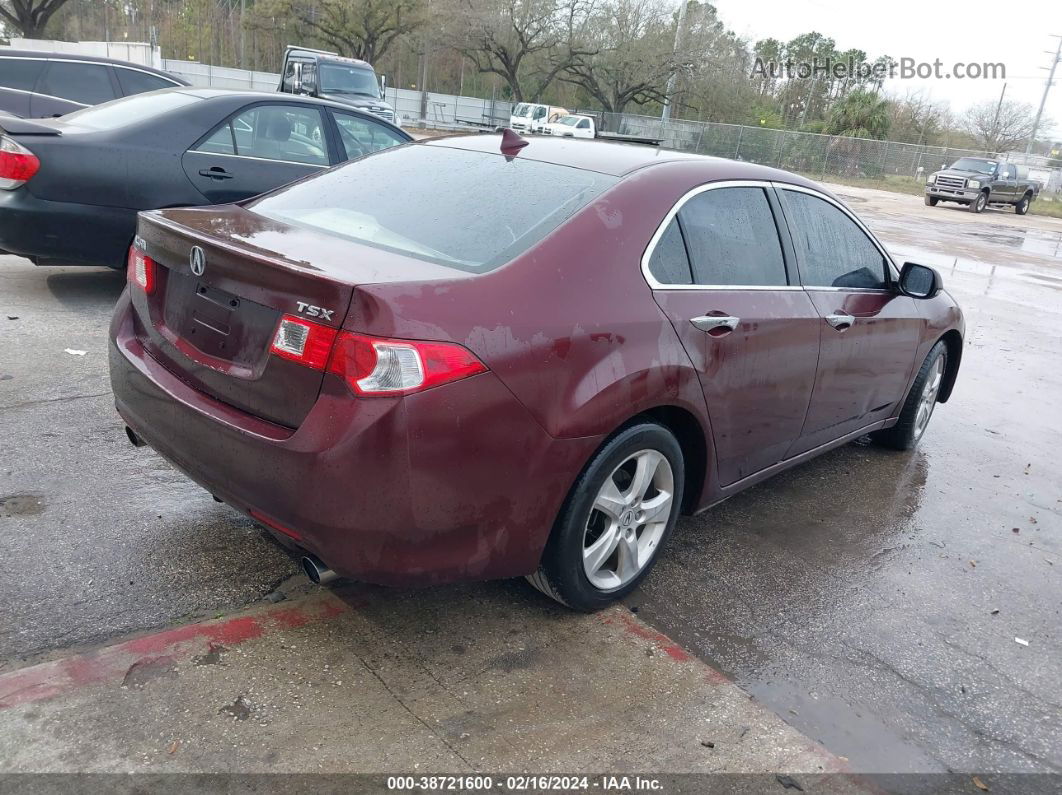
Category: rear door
[718,269]
[260,148]
[869,330]
[66,86]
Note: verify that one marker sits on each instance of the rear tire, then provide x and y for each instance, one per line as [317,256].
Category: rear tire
[1022,207]
[921,400]
[978,204]
[618,515]
[931,201]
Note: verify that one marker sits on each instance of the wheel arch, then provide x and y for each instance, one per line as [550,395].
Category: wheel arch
[953,345]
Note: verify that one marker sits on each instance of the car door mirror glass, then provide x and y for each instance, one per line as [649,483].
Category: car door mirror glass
[919,281]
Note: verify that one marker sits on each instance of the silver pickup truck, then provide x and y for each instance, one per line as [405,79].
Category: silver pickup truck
[979,181]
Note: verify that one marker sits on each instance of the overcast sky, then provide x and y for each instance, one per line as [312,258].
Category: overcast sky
[1015,33]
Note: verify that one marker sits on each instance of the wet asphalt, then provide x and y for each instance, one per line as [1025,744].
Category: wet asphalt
[871,598]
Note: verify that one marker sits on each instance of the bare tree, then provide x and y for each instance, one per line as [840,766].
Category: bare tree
[630,54]
[29,17]
[525,42]
[999,126]
[363,29]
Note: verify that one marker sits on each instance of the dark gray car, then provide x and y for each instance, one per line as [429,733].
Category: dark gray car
[76,183]
[37,85]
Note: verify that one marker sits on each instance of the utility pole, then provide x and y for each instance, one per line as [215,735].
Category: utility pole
[665,114]
[243,35]
[995,121]
[1043,100]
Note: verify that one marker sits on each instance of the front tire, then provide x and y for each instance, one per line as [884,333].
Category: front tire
[978,205]
[618,515]
[921,400]
[931,201]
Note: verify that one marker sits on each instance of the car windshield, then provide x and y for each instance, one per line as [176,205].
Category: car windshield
[342,79]
[522,109]
[129,110]
[974,164]
[391,200]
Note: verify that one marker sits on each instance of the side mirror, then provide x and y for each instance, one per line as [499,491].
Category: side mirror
[919,281]
[383,85]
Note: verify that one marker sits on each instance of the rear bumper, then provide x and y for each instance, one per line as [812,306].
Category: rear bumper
[64,232]
[455,483]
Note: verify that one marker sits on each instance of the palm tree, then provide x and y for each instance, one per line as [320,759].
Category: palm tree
[860,114]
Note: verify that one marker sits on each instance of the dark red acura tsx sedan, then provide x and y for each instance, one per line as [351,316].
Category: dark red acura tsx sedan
[479,357]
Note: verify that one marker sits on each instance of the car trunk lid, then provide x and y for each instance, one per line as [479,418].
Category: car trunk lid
[214,327]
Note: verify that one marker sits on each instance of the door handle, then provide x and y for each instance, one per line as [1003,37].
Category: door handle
[721,323]
[215,172]
[840,321]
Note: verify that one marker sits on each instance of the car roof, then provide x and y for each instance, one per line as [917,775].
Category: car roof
[7,52]
[233,93]
[617,158]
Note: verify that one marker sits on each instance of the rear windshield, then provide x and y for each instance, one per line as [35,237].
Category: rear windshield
[129,110]
[469,210]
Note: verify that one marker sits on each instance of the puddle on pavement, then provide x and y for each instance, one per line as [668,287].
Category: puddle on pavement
[21,505]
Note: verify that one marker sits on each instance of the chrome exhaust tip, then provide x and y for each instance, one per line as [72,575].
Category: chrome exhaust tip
[134,439]
[317,571]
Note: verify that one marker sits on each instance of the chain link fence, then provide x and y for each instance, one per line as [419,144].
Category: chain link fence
[818,156]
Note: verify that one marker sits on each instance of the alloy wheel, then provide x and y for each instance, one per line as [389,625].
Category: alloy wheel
[929,396]
[628,519]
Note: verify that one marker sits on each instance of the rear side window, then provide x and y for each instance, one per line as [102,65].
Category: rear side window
[391,200]
[833,251]
[668,262]
[732,238]
[133,81]
[20,73]
[87,83]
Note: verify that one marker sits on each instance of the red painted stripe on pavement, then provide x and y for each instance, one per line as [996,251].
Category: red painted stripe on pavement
[50,679]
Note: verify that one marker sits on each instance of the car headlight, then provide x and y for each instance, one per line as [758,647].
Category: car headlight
[931,179]
[973,183]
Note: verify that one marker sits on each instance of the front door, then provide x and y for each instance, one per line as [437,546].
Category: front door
[869,330]
[719,273]
[258,149]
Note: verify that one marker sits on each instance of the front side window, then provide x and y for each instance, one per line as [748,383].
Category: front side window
[86,83]
[361,136]
[133,81]
[390,200]
[831,248]
[584,124]
[732,238]
[271,132]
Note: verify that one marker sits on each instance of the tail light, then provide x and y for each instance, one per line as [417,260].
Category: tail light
[17,163]
[141,270]
[371,365]
[374,366]
[304,342]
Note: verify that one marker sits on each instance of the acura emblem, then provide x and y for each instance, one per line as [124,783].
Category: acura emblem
[197,260]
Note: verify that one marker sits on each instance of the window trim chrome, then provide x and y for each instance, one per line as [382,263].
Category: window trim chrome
[654,284]
[264,159]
